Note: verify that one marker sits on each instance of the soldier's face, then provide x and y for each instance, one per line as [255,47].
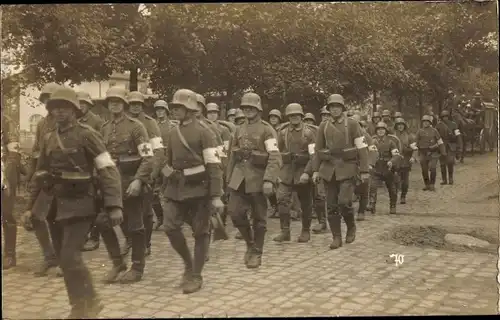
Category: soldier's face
[250,112]
[295,119]
[387,118]
[84,106]
[212,116]
[135,107]
[426,124]
[161,113]
[178,112]
[63,112]
[376,119]
[380,132]
[400,127]
[116,105]
[274,120]
[230,119]
[336,110]
[309,122]
[240,121]
[325,117]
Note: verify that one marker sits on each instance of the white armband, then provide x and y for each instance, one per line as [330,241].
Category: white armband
[226,145]
[221,152]
[440,142]
[156,143]
[271,145]
[13,147]
[310,148]
[413,146]
[360,142]
[457,132]
[395,152]
[372,148]
[211,155]
[103,160]
[145,149]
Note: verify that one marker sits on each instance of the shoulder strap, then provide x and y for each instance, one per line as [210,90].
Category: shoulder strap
[60,143]
[186,145]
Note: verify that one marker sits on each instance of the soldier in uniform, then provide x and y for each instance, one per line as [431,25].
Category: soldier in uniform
[325,114]
[68,157]
[40,226]
[128,142]
[387,119]
[376,118]
[296,142]
[136,111]
[452,138]
[11,166]
[396,115]
[95,122]
[193,177]
[409,152]
[430,145]
[231,113]
[253,171]
[275,118]
[382,172]
[310,119]
[239,117]
[340,149]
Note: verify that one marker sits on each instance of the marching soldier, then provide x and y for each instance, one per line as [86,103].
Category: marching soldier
[11,166]
[231,113]
[253,170]
[430,146]
[382,171]
[409,152]
[136,111]
[387,119]
[44,126]
[340,149]
[296,141]
[95,122]
[193,176]
[68,157]
[363,187]
[376,118]
[275,118]
[325,114]
[452,138]
[239,118]
[310,119]
[128,142]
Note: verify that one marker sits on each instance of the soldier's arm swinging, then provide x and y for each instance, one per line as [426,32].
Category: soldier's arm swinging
[212,162]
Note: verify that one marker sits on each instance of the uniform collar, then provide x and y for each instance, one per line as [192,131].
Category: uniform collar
[186,122]
[339,120]
[120,119]
[69,127]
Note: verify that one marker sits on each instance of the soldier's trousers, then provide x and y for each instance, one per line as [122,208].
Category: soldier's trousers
[148,198]
[362,190]
[69,236]
[339,195]
[49,251]
[9,222]
[196,213]
[447,164]
[428,165]
[378,180]
[404,177]
[284,194]
[319,201]
[239,204]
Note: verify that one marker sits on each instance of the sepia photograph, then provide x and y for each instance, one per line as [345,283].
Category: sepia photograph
[232,160]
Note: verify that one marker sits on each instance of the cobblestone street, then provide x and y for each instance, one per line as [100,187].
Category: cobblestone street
[303,279]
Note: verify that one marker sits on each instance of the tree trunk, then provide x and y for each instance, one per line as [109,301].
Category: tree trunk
[134,79]
[420,106]
[400,102]
[375,101]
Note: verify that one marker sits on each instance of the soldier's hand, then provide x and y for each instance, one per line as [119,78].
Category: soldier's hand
[412,160]
[217,203]
[389,164]
[134,189]
[268,188]
[116,216]
[304,178]
[315,177]
[364,176]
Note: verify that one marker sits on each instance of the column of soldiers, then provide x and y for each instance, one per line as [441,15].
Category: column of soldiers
[92,179]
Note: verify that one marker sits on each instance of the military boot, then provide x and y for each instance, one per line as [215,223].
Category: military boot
[92,309]
[392,210]
[127,245]
[425,177]
[44,268]
[335,228]
[361,216]
[373,207]
[138,258]
[285,229]
[351,225]
[255,259]
[321,226]
[305,234]
[91,245]
[432,181]
[9,256]
[444,179]
[193,284]
[450,174]
[114,274]
[403,198]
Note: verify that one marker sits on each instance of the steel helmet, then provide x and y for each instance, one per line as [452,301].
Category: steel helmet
[310,116]
[376,114]
[239,114]
[398,114]
[477,95]
[275,112]
[450,92]
[335,98]
[427,117]
[381,124]
[400,121]
[84,96]
[117,92]
[349,113]
[324,110]
[445,113]
[231,112]
[293,108]
[251,99]
[356,117]
[201,99]
[48,89]
[161,104]
[386,113]
[135,96]
[185,98]
[212,107]
[67,95]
